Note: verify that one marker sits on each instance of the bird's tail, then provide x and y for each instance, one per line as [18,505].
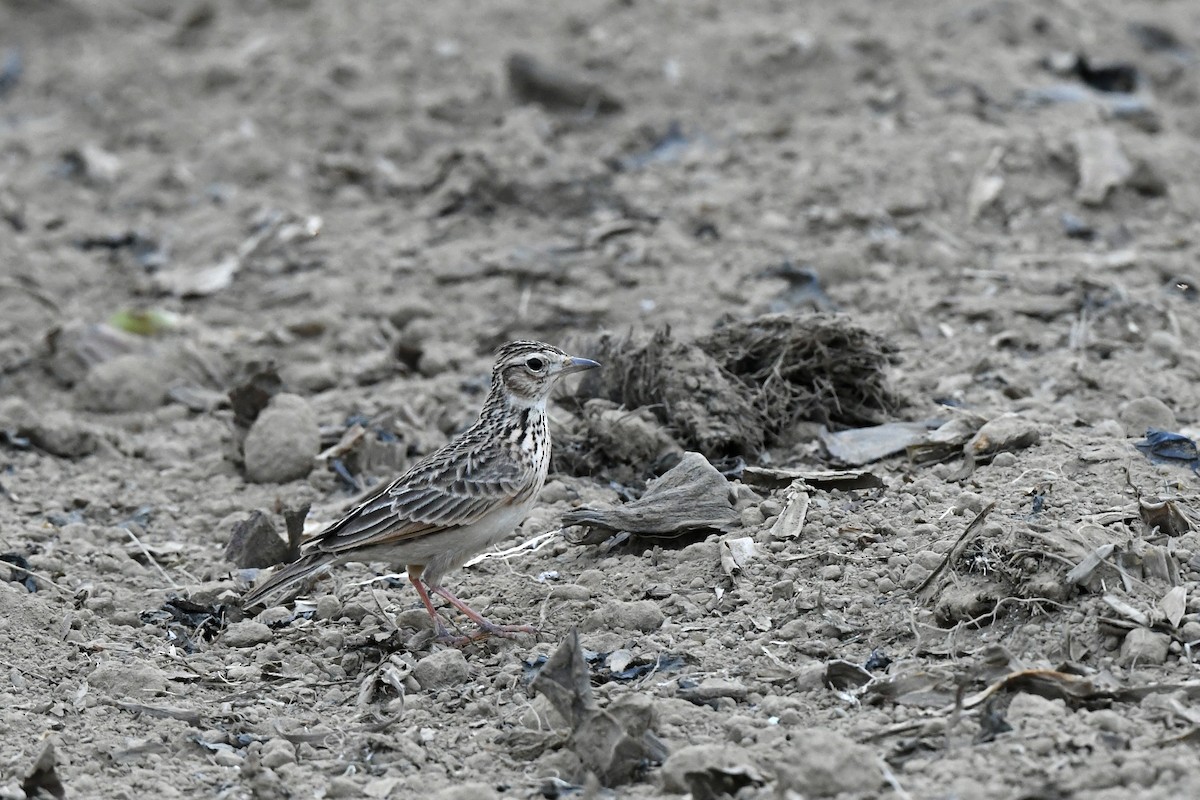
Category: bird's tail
[305,567]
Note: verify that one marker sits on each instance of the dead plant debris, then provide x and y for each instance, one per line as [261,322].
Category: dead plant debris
[744,386]
[692,496]
[615,744]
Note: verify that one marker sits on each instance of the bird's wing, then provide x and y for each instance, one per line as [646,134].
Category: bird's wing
[448,490]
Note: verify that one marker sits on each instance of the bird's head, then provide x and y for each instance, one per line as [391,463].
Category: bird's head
[526,371]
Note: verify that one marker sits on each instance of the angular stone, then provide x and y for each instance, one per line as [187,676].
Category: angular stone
[1142,646]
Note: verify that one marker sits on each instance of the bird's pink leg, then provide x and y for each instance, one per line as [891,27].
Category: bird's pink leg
[414,577]
[486,627]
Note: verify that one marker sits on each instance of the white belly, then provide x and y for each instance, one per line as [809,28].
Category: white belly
[447,550]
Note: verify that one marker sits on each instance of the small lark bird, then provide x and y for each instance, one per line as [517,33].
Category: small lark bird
[458,501]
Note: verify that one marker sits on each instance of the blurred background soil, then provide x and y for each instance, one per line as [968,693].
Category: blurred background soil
[341,210]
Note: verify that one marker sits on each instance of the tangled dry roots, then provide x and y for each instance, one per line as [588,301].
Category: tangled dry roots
[745,385]
[820,368]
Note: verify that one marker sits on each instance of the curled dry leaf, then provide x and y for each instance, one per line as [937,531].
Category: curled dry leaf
[790,521]
[858,446]
[736,553]
[614,743]
[947,441]
[692,496]
[1174,605]
[1167,516]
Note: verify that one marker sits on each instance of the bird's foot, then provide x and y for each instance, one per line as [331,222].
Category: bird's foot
[486,630]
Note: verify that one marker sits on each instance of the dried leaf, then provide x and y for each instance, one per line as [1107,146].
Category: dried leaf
[42,775]
[186,282]
[145,322]
[827,479]
[349,440]
[1126,610]
[252,395]
[614,743]
[858,446]
[1166,517]
[1174,605]
[947,441]
[843,675]
[790,521]
[691,496]
[1084,569]
[736,553]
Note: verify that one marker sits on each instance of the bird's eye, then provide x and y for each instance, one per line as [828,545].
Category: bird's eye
[535,364]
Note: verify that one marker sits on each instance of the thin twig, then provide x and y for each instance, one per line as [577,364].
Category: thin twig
[24,670]
[956,549]
[893,781]
[529,545]
[40,577]
[151,559]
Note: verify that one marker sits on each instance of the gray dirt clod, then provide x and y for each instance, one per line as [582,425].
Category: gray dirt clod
[58,432]
[126,383]
[328,607]
[467,791]
[254,543]
[246,634]
[639,615]
[825,763]
[1146,412]
[698,758]
[441,669]
[1142,647]
[282,442]
[128,679]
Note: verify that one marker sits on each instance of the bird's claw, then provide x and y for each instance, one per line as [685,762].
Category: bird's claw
[486,630]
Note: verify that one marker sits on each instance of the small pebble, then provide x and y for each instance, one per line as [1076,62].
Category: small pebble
[591,578]
[467,791]
[442,669]
[640,615]
[928,559]
[752,517]
[833,572]
[282,442]
[571,591]
[328,607]
[246,634]
[914,576]
[125,383]
[1146,412]
[342,786]
[968,501]
[1142,647]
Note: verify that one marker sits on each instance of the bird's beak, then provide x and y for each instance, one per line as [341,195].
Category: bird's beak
[575,364]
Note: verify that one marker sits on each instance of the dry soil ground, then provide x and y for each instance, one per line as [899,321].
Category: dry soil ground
[351,191]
